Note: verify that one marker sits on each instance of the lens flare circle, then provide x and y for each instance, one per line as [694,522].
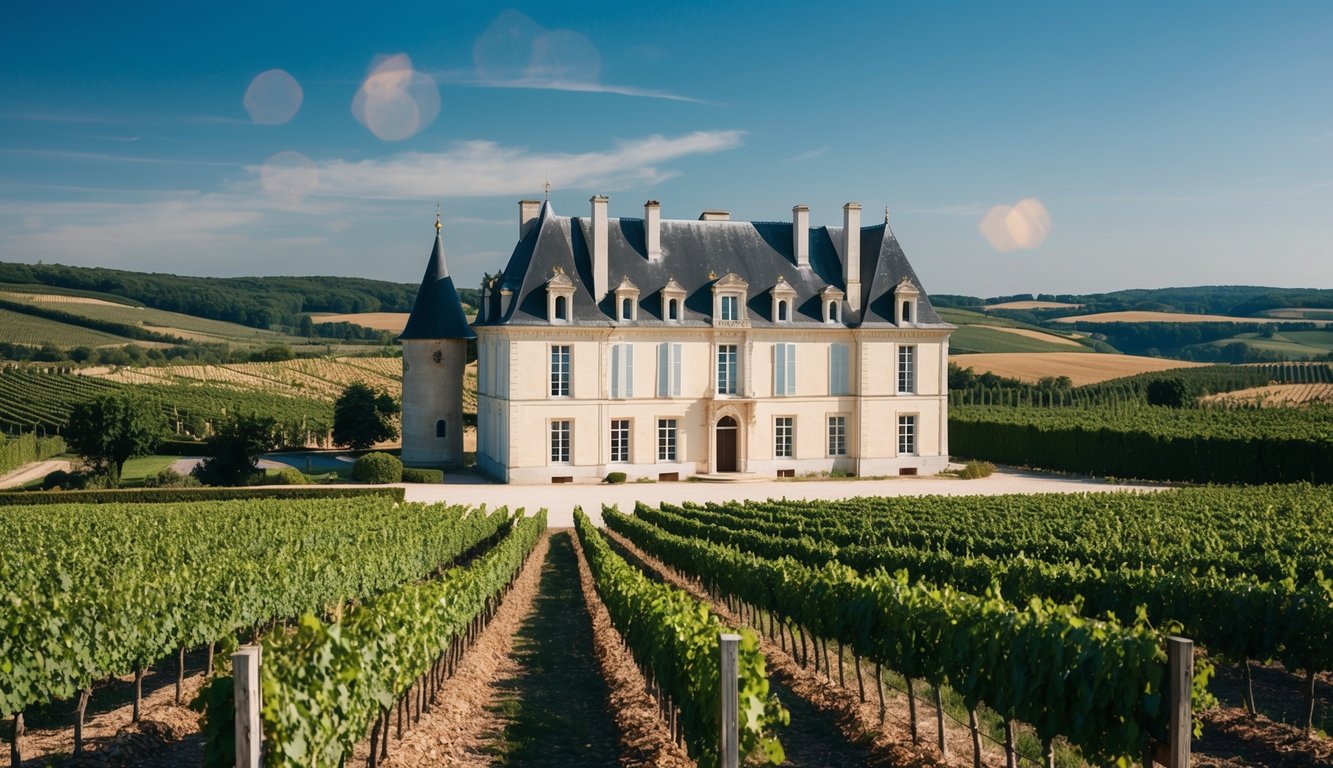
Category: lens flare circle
[288,176]
[1021,226]
[395,101]
[273,98]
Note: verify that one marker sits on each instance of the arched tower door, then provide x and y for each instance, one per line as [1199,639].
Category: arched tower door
[726,444]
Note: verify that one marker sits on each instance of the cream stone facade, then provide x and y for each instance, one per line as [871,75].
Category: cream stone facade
[670,348]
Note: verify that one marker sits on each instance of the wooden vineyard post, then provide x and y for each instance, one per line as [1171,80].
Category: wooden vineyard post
[249,733]
[1180,668]
[729,749]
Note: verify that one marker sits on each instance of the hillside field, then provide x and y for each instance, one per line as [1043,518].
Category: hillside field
[394,322]
[1167,317]
[1080,367]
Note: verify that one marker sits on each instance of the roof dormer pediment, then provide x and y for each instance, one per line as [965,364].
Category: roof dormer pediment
[559,279]
[731,281]
[783,288]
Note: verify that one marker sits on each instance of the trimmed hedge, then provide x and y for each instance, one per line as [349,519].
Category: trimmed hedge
[181,495]
[378,468]
[27,448]
[420,475]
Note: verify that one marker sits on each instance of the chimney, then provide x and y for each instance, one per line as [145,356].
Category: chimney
[715,216]
[527,216]
[652,230]
[851,253]
[600,267]
[800,234]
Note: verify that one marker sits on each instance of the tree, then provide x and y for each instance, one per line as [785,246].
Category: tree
[363,416]
[109,430]
[233,450]
[1172,392]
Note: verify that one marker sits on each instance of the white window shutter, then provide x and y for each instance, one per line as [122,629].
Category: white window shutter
[675,369]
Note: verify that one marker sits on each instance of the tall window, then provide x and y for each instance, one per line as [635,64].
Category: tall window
[906,370]
[727,358]
[906,435]
[839,369]
[622,370]
[784,369]
[784,429]
[561,308]
[673,309]
[666,439]
[620,440]
[560,370]
[560,431]
[837,435]
[731,308]
[627,309]
[668,369]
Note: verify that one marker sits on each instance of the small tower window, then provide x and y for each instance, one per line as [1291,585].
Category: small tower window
[729,296]
[627,301]
[831,312]
[782,311]
[559,294]
[672,295]
[441,428]
[783,294]
[673,309]
[561,308]
[906,296]
[907,311]
[831,300]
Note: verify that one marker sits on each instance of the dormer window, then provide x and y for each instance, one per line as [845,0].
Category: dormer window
[559,297]
[831,299]
[627,301]
[673,301]
[783,296]
[729,301]
[905,297]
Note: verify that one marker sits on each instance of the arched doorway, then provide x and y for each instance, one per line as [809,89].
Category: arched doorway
[726,444]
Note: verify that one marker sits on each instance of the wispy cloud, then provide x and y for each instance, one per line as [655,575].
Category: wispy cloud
[125,139]
[957,209]
[550,84]
[811,155]
[40,116]
[484,168]
[104,157]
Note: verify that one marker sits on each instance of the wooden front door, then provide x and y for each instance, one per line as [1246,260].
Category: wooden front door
[726,444]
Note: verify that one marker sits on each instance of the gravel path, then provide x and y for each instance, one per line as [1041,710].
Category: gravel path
[30,472]
[560,500]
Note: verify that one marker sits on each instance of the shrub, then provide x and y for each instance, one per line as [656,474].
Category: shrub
[975,469]
[170,478]
[615,478]
[419,475]
[179,495]
[378,468]
[286,476]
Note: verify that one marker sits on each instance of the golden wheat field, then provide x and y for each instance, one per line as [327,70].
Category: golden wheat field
[380,321]
[1276,395]
[1080,367]
[1038,335]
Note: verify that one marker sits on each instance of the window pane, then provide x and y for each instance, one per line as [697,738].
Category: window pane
[837,435]
[560,441]
[907,369]
[726,369]
[560,370]
[666,439]
[907,435]
[620,440]
[782,437]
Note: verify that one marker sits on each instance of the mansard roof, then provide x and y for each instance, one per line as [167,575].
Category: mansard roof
[695,254]
[438,312]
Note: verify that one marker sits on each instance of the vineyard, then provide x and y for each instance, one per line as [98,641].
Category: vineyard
[1006,600]
[1111,428]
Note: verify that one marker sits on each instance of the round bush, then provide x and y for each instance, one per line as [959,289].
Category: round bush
[420,475]
[378,468]
[288,476]
[615,478]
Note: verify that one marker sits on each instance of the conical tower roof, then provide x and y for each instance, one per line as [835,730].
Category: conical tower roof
[438,312]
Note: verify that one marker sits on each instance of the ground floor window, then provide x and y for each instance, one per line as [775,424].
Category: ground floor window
[620,440]
[837,435]
[784,428]
[906,435]
[666,439]
[560,434]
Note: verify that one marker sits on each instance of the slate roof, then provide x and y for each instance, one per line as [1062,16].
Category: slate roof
[696,254]
[438,312]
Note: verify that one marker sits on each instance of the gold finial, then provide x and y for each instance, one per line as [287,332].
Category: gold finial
[546,188]
[437,217]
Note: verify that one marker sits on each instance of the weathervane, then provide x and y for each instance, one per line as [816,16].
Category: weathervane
[437,217]
[546,187]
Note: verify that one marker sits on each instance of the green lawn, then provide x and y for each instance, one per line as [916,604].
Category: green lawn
[140,467]
[977,338]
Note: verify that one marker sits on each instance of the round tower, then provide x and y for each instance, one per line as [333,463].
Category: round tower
[434,355]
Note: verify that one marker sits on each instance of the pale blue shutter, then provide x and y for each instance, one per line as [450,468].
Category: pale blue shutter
[779,369]
[791,370]
[838,369]
[664,369]
[615,370]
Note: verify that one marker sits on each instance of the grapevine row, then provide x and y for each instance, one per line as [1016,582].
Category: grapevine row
[677,638]
[1097,683]
[325,682]
[92,592]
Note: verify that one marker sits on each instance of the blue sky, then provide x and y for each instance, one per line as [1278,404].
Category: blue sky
[1021,147]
